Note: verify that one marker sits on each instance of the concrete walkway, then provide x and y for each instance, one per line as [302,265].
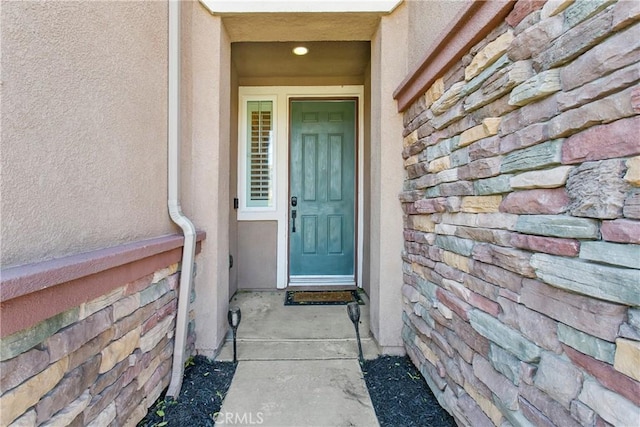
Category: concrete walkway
[298,366]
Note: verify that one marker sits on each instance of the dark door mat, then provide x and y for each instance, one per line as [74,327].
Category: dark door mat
[322,298]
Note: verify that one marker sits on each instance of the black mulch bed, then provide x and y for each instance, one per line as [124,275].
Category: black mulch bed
[204,386]
[399,394]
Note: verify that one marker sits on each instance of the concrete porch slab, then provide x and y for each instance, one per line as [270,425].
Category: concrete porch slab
[298,393]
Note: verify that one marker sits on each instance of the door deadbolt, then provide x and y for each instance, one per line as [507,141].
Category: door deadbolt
[294,201]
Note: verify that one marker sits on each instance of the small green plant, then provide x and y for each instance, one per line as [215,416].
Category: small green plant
[413,377]
[190,362]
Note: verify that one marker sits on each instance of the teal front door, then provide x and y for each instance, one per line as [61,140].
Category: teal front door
[322,191]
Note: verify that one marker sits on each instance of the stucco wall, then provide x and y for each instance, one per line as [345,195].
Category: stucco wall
[209,73]
[427,20]
[522,231]
[83,126]
[257,254]
[388,68]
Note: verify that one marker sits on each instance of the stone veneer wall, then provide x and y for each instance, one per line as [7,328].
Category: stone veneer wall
[522,206]
[101,363]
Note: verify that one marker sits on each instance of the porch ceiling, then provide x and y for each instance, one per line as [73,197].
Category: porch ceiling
[325,59]
[318,26]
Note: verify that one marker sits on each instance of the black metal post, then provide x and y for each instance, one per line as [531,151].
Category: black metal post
[233,316]
[353,309]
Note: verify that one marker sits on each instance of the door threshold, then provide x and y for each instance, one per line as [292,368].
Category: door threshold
[322,287]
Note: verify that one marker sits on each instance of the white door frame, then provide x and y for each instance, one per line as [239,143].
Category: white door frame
[281,95]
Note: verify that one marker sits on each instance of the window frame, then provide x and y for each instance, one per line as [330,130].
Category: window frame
[246,212]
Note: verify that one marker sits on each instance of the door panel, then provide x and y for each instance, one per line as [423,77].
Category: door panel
[322,178]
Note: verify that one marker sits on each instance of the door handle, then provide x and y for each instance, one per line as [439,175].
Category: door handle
[294,201]
[293,216]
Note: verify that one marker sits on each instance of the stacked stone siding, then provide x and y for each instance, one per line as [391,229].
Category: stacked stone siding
[522,221]
[99,364]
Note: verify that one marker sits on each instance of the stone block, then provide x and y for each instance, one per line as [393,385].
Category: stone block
[598,281]
[598,88]
[582,413]
[497,276]
[411,161]
[15,371]
[75,336]
[627,358]
[606,375]
[587,344]
[483,148]
[21,341]
[611,253]
[453,114]
[127,401]
[69,413]
[499,220]
[633,167]
[538,201]
[597,190]
[410,139]
[449,175]
[536,157]
[576,40]
[539,86]
[410,293]
[455,244]
[548,178]
[104,418]
[534,39]
[459,157]
[110,377]
[423,223]
[439,164]
[563,388]
[448,99]
[604,110]
[510,259]
[15,402]
[632,204]
[26,420]
[537,112]
[612,407]
[537,328]
[617,139]
[440,149]
[494,93]
[597,318]
[119,350]
[496,185]
[434,205]
[548,245]
[497,383]
[488,73]
[489,127]
[505,363]
[480,204]
[456,261]
[521,10]
[481,287]
[506,337]
[155,335]
[154,292]
[164,273]
[558,226]
[603,58]
[485,404]
[74,384]
[103,301]
[524,137]
[453,303]
[488,55]
[625,13]
[621,231]
[482,168]
[532,413]
[578,12]
[554,7]
[125,306]
[166,310]
[435,91]
[551,409]
[472,412]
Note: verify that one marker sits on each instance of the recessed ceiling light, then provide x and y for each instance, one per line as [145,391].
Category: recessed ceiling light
[300,50]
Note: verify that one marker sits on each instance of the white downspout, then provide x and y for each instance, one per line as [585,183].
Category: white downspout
[175,211]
